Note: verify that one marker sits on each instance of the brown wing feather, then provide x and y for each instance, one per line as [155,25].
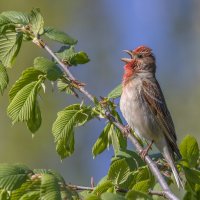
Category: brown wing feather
[153,95]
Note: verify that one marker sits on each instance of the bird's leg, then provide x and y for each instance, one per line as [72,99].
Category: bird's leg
[145,151]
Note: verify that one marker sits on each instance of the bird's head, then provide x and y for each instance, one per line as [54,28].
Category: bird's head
[141,61]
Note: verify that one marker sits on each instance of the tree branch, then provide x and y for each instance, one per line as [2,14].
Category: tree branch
[153,167]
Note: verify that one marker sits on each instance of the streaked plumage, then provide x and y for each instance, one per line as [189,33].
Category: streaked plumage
[144,108]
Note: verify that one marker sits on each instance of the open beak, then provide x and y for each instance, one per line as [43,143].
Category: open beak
[127,60]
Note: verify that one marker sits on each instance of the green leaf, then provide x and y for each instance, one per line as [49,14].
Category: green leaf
[137,195]
[59,36]
[31,195]
[192,177]
[12,177]
[190,150]
[92,197]
[116,92]
[65,87]
[16,17]
[133,159]
[63,127]
[4,195]
[102,142]
[48,67]
[10,44]
[22,105]
[3,78]
[119,172]
[35,120]
[37,22]
[29,75]
[143,180]
[50,189]
[102,187]
[69,56]
[111,196]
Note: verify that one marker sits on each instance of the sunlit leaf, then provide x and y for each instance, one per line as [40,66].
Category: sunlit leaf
[102,142]
[63,127]
[59,36]
[22,105]
[29,75]
[48,67]
[71,57]
[119,172]
[12,177]
[190,150]
[111,196]
[116,92]
[50,189]
[102,187]
[37,22]
[10,44]
[137,195]
[3,78]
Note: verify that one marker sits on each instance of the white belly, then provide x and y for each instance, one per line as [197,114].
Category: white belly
[137,113]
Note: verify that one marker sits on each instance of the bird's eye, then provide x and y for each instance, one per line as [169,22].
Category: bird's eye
[139,55]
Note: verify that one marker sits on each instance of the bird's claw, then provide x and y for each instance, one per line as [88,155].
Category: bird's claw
[145,151]
[126,130]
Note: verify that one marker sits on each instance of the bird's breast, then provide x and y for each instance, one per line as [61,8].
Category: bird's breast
[136,111]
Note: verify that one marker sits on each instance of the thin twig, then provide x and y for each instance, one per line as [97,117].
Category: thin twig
[158,193]
[154,169]
[78,187]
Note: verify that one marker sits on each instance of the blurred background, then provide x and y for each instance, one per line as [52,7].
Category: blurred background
[105,28]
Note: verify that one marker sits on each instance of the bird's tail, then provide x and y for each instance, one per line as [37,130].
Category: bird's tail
[169,158]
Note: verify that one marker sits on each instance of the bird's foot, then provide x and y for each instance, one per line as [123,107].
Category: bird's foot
[126,130]
[145,151]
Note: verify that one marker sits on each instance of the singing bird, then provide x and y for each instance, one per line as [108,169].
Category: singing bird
[143,106]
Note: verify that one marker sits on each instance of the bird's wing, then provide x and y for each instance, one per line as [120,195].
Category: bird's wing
[152,94]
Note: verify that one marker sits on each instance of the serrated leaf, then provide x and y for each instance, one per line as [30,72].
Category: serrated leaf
[192,177]
[22,105]
[102,187]
[3,78]
[50,189]
[16,17]
[143,180]
[190,150]
[137,195]
[116,92]
[119,172]
[30,195]
[35,120]
[64,87]
[69,56]
[37,22]
[29,75]
[59,36]
[12,177]
[102,142]
[10,43]
[48,67]
[111,196]
[92,197]
[133,159]
[63,127]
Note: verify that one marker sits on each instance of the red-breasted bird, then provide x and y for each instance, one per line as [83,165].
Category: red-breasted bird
[143,106]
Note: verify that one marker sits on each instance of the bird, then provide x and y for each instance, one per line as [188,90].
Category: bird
[143,106]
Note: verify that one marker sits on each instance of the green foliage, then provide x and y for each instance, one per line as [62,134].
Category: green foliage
[59,36]
[63,128]
[36,22]
[71,57]
[190,150]
[10,44]
[23,104]
[116,92]
[3,78]
[48,67]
